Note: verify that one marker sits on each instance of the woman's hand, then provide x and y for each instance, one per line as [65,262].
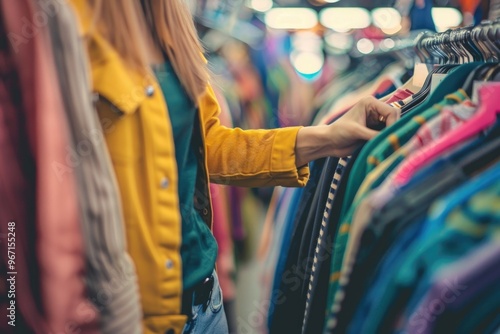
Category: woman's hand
[342,137]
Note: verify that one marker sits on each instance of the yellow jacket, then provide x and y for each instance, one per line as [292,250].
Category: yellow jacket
[135,123]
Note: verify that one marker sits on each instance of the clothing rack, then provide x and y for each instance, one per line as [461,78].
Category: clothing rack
[463,45]
[365,247]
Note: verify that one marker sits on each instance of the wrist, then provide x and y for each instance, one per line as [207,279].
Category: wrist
[313,142]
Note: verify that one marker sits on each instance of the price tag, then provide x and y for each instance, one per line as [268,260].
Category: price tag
[420,73]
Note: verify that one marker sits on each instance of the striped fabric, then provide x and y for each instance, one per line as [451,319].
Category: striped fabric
[110,276]
[430,126]
[343,232]
[322,235]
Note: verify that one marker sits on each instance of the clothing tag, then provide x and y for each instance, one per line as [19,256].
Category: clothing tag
[436,79]
[420,74]
[475,90]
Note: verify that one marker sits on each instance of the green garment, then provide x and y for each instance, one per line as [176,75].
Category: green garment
[468,226]
[199,248]
[451,83]
[380,148]
[383,151]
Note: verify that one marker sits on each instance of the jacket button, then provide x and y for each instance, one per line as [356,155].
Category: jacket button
[170,331]
[150,90]
[169,264]
[205,211]
[200,150]
[164,183]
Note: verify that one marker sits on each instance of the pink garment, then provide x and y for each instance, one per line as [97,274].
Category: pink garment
[485,117]
[383,87]
[400,95]
[59,242]
[222,232]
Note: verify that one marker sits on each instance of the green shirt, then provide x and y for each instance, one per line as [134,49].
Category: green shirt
[384,150]
[381,144]
[468,226]
[451,83]
[199,248]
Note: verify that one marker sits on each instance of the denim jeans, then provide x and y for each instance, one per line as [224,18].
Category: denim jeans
[209,319]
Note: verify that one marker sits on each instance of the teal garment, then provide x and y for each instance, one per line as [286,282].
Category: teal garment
[364,164]
[383,151]
[451,83]
[468,226]
[199,248]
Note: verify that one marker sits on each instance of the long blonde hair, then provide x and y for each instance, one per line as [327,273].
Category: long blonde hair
[132,25]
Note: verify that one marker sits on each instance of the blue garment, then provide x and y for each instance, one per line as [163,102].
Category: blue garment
[296,193]
[387,268]
[439,215]
[210,318]
[421,18]
[444,207]
[396,254]
[470,225]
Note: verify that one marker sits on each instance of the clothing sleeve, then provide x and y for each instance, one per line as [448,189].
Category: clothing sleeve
[251,158]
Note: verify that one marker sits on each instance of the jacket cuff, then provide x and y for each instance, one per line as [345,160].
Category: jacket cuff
[283,165]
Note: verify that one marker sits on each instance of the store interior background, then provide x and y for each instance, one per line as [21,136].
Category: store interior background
[270,61]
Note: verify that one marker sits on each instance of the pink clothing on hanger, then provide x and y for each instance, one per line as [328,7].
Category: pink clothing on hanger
[400,95]
[485,117]
[59,243]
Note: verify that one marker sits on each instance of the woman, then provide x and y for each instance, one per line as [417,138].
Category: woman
[159,117]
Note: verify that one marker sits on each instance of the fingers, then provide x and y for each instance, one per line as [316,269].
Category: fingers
[365,133]
[390,114]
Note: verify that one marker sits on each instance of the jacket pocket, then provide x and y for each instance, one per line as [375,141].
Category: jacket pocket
[122,132]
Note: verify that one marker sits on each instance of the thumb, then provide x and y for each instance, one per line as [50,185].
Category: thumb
[365,133]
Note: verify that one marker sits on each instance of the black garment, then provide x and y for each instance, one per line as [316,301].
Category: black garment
[420,97]
[287,316]
[313,223]
[301,214]
[315,320]
[230,310]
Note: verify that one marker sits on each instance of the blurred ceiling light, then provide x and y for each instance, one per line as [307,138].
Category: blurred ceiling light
[291,18]
[386,18]
[260,5]
[392,31]
[306,41]
[387,44]
[345,18]
[339,41]
[365,46]
[331,1]
[445,18]
[307,63]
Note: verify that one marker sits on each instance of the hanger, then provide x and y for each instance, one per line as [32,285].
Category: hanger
[420,50]
[484,118]
[468,42]
[478,74]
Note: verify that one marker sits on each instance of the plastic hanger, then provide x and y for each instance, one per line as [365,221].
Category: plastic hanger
[469,43]
[485,117]
[482,36]
[476,75]
[420,49]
